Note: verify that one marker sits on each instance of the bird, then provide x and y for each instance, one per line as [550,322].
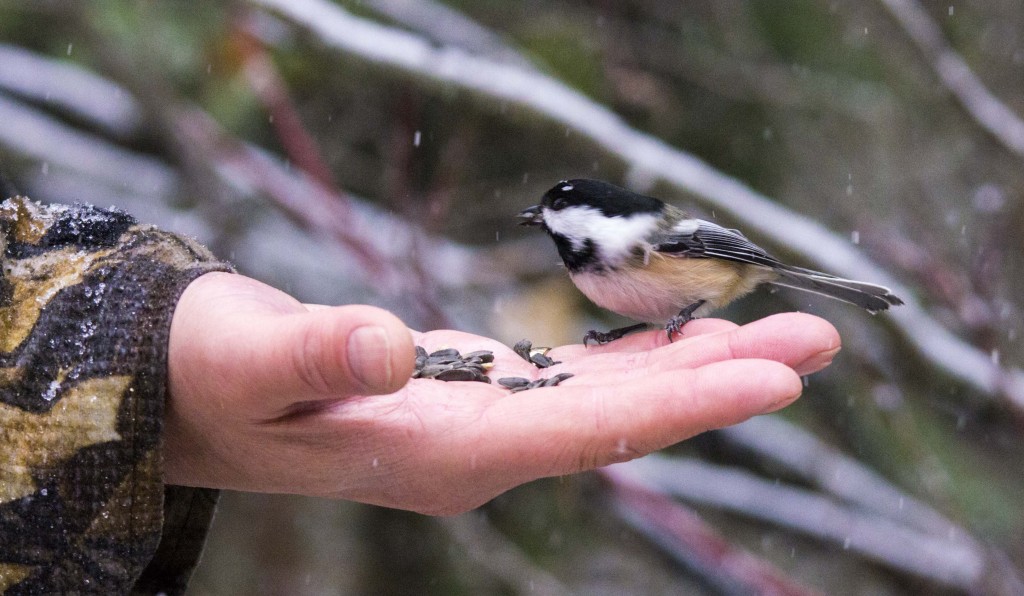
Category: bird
[650,261]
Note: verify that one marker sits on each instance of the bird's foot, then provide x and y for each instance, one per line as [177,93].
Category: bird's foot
[603,337]
[675,324]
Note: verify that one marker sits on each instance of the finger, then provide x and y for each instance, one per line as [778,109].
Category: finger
[646,340]
[568,429]
[803,342]
[332,353]
[698,327]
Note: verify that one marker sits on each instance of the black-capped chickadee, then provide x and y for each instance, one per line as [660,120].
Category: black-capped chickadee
[647,260]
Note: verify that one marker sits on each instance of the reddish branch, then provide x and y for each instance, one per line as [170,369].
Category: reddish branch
[684,536]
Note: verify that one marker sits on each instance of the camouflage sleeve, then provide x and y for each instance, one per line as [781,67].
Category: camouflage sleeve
[86,299]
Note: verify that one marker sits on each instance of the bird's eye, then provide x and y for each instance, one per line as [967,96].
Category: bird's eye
[559,203]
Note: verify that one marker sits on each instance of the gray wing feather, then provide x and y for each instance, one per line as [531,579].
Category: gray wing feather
[696,238]
[710,240]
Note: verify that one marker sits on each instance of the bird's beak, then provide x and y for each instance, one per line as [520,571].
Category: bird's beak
[531,216]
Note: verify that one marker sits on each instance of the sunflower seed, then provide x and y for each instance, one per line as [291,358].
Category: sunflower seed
[483,356]
[432,370]
[459,374]
[445,353]
[535,356]
[523,347]
[513,382]
[531,385]
[542,360]
[557,379]
[517,384]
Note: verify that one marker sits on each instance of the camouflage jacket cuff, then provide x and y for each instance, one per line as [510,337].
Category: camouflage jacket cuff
[86,300]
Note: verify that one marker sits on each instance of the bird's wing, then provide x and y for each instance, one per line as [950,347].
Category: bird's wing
[697,238]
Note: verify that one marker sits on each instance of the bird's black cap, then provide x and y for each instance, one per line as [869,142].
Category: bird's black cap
[610,200]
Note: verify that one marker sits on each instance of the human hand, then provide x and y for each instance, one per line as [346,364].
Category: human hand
[266,395]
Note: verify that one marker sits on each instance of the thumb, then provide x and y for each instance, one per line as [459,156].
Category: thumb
[336,352]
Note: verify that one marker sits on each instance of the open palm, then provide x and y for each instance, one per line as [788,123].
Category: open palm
[267,395]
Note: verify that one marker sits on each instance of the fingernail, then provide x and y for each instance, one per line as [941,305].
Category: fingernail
[778,404]
[369,356]
[782,403]
[816,362]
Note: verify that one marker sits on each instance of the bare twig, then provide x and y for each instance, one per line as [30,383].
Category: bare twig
[651,159]
[949,560]
[987,110]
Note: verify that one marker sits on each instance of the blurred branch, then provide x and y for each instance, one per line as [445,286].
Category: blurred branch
[69,87]
[986,109]
[813,460]
[949,560]
[325,212]
[949,284]
[775,439]
[773,83]
[491,550]
[684,536]
[42,137]
[755,78]
[651,159]
[449,27]
[268,86]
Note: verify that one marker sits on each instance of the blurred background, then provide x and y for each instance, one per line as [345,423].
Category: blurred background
[377,151]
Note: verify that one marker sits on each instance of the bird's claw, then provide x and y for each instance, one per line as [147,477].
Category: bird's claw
[675,324]
[602,337]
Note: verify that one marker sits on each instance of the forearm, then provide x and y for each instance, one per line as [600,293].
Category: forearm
[85,306]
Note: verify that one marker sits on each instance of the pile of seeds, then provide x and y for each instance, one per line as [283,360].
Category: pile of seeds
[537,357]
[450,365]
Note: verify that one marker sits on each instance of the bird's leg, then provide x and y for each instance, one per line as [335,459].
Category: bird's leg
[603,337]
[675,324]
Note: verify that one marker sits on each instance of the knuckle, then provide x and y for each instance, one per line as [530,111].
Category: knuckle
[309,361]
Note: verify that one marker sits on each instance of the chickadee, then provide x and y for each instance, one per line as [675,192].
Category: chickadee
[647,260]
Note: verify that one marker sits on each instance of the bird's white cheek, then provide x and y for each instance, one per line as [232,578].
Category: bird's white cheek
[573,224]
[615,238]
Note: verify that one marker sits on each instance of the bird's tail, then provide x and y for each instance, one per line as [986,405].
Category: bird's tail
[871,297]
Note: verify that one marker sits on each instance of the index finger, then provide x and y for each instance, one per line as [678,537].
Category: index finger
[803,342]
